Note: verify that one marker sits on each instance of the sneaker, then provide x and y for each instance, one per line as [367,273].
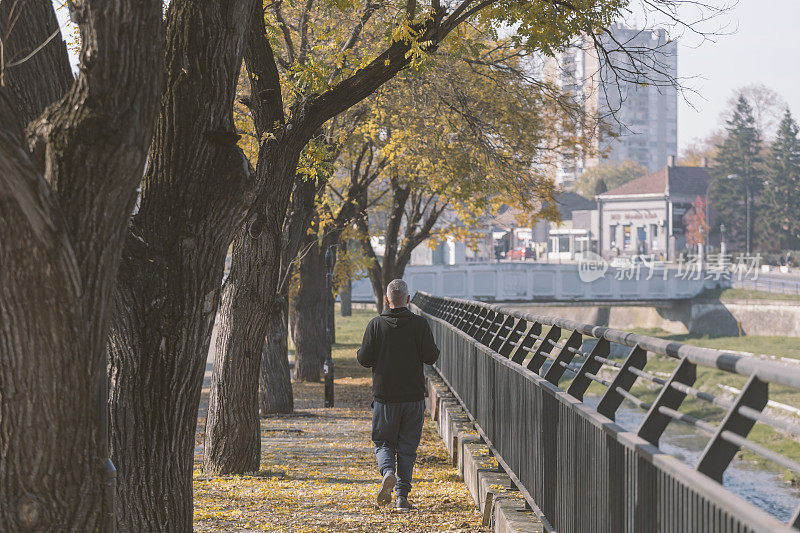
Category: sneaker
[387,486]
[402,505]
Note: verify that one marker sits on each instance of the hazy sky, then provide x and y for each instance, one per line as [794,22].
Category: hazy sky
[763,46]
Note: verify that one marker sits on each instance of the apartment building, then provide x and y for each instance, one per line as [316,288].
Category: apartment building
[637,103]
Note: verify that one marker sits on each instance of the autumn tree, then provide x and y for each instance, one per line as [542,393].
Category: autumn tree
[697,223]
[437,154]
[310,70]
[68,186]
[701,151]
[71,157]
[611,174]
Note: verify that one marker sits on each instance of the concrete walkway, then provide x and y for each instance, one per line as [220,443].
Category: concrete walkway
[318,473]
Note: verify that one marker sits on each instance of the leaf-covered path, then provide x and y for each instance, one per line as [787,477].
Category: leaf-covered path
[318,469]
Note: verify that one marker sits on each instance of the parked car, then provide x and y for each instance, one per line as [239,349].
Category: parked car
[520,253]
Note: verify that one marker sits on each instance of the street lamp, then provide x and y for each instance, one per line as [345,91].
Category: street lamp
[327,367]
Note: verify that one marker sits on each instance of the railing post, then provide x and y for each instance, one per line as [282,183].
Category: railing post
[480,318]
[513,338]
[719,452]
[492,328]
[497,339]
[459,315]
[565,356]
[540,355]
[624,380]
[581,381]
[469,316]
[534,334]
[656,422]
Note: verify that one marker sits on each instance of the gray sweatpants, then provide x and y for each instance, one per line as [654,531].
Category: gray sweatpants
[396,432]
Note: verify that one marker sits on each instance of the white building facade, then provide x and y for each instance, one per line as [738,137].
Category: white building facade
[647,215]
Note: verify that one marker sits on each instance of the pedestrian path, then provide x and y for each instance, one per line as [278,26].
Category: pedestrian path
[318,472]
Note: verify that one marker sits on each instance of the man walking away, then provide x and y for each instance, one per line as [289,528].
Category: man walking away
[396,345]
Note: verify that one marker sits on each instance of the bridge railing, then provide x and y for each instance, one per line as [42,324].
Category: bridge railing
[523,378]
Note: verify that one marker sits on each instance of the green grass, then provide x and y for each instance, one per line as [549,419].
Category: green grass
[745,294]
[780,346]
[349,332]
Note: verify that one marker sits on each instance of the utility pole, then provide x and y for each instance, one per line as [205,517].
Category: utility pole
[747,214]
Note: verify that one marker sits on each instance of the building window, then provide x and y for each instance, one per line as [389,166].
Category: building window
[641,240]
[627,236]
[653,236]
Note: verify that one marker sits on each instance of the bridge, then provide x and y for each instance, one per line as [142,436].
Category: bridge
[527,282]
[524,381]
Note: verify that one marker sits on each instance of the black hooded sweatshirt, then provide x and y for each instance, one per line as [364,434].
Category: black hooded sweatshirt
[396,345]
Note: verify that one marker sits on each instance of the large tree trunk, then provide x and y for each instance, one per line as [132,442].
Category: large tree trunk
[275,395]
[232,442]
[310,337]
[196,192]
[346,298]
[61,250]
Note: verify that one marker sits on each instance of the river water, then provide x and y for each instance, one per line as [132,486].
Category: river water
[762,487]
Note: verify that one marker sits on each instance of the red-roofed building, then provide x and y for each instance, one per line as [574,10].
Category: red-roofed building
[646,215]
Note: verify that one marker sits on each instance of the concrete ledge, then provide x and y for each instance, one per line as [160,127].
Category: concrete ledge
[510,516]
[491,488]
[465,439]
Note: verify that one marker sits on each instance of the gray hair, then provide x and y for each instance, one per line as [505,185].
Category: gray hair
[397,292]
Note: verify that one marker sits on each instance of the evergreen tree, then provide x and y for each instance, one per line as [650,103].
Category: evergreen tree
[739,155]
[600,187]
[781,197]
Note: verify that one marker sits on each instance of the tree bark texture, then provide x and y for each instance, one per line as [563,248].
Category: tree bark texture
[43,78]
[232,442]
[275,381]
[60,246]
[275,390]
[50,468]
[311,308]
[196,192]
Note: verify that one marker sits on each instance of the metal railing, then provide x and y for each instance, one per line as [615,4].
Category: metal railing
[522,379]
[768,284]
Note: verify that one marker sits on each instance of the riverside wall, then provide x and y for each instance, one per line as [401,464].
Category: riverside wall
[700,316]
